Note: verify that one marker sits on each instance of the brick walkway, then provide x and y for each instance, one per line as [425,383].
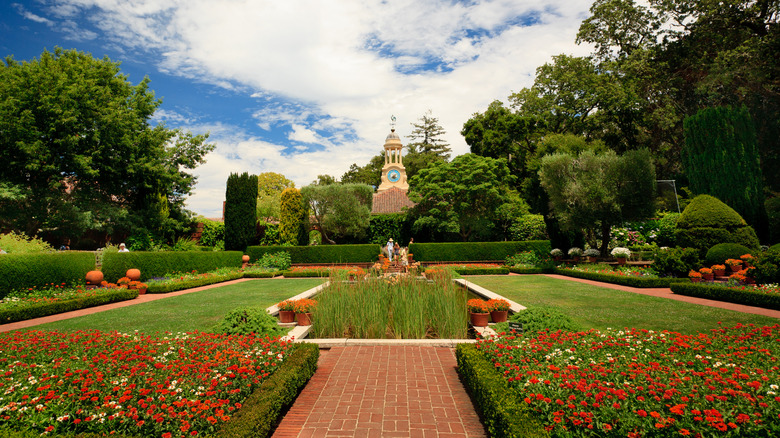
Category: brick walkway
[383,391]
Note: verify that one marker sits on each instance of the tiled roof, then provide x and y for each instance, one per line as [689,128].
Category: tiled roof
[392,200]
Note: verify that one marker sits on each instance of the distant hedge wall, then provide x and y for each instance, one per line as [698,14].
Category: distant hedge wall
[320,253]
[157,264]
[37,270]
[747,296]
[474,251]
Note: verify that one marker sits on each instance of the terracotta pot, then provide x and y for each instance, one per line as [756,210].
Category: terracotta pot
[695,279]
[94,278]
[133,274]
[719,273]
[736,268]
[498,315]
[621,260]
[303,318]
[708,277]
[142,291]
[557,258]
[286,316]
[576,258]
[479,319]
[245,258]
[592,259]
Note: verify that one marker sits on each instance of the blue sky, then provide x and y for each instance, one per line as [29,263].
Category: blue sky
[304,88]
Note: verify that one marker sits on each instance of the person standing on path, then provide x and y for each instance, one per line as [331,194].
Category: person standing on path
[390,249]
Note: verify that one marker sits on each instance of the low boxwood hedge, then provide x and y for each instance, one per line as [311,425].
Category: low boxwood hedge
[172,286]
[19,271]
[157,264]
[306,274]
[623,281]
[721,293]
[532,270]
[262,274]
[482,271]
[503,412]
[474,251]
[320,253]
[260,412]
[46,309]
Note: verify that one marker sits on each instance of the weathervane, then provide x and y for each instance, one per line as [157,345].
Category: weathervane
[392,123]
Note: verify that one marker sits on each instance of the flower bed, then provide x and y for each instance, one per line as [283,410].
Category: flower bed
[766,296]
[641,383]
[35,302]
[634,277]
[315,271]
[475,268]
[181,281]
[69,383]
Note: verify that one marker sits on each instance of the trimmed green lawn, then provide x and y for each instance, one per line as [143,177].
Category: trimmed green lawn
[189,312]
[598,307]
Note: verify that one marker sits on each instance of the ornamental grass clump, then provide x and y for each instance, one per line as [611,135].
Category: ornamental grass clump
[400,307]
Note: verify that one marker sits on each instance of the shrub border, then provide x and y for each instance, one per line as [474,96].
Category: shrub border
[46,309]
[623,281]
[482,271]
[722,293]
[501,409]
[259,415]
[196,282]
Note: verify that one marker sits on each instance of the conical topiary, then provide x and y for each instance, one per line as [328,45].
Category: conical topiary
[707,221]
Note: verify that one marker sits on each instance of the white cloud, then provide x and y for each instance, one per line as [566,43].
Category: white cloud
[331,73]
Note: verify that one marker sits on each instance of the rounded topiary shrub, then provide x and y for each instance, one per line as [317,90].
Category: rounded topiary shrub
[707,221]
[721,252]
[767,267]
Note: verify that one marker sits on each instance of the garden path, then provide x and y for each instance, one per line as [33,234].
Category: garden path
[667,293]
[383,391]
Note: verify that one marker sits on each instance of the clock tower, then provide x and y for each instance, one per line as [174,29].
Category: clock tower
[393,172]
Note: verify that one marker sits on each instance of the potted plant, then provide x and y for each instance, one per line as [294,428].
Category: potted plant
[718,270]
[621,254]
[575,253]
[478,312]
[286,311]
[499,309]
[695,276]
[706,274]
[556,254]
[591,254]
[303,310]
[124,282]
[355,274]
[747,259]
[734,264]
[142,287]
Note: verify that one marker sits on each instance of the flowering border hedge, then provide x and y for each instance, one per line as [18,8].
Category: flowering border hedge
[624,281]
[262,274]
[172,286]
[482,271]
[502,411]
[46,309]
[261,410]
[532,270]
[305,274]
[721,293]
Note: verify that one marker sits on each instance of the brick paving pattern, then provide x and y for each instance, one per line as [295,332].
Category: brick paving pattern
[383,391]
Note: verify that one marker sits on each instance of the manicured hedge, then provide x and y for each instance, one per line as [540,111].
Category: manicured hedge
[19,271]
[261,410]
[503,412]
[721,293]
[306,274]
[46,309]
[157,264]
[195,282]
[624,281]
[532,270]
[262,274]
[320,253]
[474,251]
[482,271]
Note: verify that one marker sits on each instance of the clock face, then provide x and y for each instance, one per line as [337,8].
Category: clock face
[393,175]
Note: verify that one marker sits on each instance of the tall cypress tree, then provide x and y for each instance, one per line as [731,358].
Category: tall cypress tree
[720,158]
[240,211]
[292,218]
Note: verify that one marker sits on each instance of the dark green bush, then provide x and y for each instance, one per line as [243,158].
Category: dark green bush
[767,267]
[502,410]
[157,264]
[306,274]
[46,309]
[475,251]
[320,253]
[775,247]
[719,253]
[20,271]
[279,260]
[384,226]
[240,211]
[248,320]
[641,282]
[676,262]
[772,206]
[213,233]
[666,228]
[536,319]
[531,270]
[261,410]
[707,221]
[746,296]
[529,227]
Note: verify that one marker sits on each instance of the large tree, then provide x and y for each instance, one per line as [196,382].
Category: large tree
[340,211]
[79,152]
[426,137]
[270,186]
[461,196]
[240,211]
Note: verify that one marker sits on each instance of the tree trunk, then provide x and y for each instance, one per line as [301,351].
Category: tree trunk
[605,237]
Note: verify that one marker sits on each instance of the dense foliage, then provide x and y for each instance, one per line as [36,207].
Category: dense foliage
[79,152]
[293,218]
[340,211]
[707,221]
[240,211]
[19,271]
